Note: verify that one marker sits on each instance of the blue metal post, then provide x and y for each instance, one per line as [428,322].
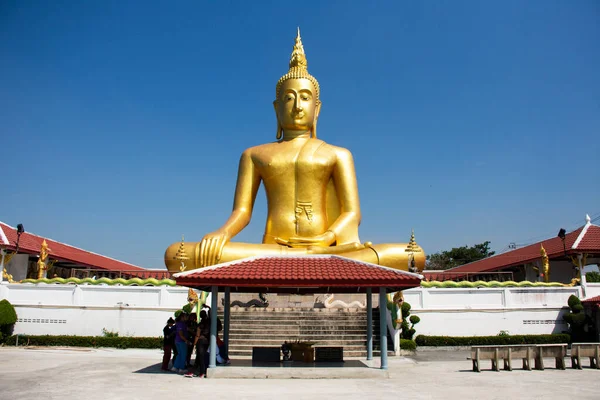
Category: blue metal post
[369,324]
[383,327]
[212,359]
[226,317]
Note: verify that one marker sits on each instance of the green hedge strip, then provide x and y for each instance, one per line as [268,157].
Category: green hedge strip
[406,344]
[425,340]
[88,341]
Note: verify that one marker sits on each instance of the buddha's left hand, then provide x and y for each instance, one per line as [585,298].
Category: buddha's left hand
[325,239]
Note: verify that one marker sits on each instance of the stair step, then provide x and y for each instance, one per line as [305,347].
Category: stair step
[269,327]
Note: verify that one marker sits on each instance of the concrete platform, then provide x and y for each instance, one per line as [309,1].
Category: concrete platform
[246,369]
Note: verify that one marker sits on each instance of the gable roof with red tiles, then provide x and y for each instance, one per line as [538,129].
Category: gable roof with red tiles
[299,274]
[585,239]
[30,243]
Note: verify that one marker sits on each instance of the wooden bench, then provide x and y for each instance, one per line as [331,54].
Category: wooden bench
[525,352]
[591,350]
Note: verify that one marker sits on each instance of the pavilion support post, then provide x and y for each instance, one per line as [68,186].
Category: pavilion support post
[369,324]
[383,327]
[2,265]
[212,359]
[226,318]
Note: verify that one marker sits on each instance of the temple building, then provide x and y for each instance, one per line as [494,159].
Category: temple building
[21,252]
[558,259]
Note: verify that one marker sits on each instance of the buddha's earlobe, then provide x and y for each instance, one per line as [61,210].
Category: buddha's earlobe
[279,134]
[316,118]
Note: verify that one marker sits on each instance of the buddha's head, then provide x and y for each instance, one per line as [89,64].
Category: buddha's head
[297,103]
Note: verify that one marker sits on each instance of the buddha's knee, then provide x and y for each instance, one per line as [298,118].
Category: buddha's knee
[394,255]
[181,256]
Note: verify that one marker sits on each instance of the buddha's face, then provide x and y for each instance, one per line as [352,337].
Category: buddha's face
[297,106]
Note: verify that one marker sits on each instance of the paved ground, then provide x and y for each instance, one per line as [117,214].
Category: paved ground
[86,374]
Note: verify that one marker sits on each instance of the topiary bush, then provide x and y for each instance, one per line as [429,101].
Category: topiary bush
[577,320]
[8,318]
[426,340]
[408,331]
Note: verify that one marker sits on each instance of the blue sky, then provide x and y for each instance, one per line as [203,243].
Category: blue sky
[122,122]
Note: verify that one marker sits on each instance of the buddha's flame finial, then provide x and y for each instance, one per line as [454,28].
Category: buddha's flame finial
[298,57]
[413,247]
[181,254]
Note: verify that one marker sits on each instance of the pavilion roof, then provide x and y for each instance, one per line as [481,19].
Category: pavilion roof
[30,243]
[298,274]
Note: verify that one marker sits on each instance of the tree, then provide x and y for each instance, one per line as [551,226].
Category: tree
[459,256]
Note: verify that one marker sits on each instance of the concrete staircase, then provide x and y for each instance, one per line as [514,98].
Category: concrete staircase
[270,327]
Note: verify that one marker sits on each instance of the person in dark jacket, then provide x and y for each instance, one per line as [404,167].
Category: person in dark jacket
[168,343]
[201,345]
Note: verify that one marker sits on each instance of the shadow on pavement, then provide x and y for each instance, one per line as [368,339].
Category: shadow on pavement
[151,369]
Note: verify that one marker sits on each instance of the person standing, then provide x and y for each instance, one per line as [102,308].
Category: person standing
[168,343]
[201,345]
[181,342]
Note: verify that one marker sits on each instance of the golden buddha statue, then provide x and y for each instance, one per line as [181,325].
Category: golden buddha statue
[312,194]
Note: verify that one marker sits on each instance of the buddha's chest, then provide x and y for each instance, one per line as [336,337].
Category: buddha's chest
[294,162]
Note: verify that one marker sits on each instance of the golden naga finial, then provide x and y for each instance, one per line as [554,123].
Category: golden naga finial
[545,264]
[42,261]
[412,245]
[181,254]
[298,67]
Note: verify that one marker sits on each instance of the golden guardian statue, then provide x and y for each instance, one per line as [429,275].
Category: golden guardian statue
[311,188]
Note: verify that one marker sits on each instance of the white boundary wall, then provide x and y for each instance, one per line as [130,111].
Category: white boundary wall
[487,311]
[84,310]
[142,311]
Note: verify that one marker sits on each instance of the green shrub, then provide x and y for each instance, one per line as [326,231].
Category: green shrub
[178,313]
[89,341]
[187,308]
[406,344]
[8,318]
[107,333]
[592,277]
[426,340]
[8,315]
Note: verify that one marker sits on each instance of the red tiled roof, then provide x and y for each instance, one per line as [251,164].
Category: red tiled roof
[30,243]
[305,274]
[592,300]
[591,239]
[589,242]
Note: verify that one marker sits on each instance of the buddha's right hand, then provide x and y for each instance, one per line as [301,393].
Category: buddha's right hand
[211,248]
